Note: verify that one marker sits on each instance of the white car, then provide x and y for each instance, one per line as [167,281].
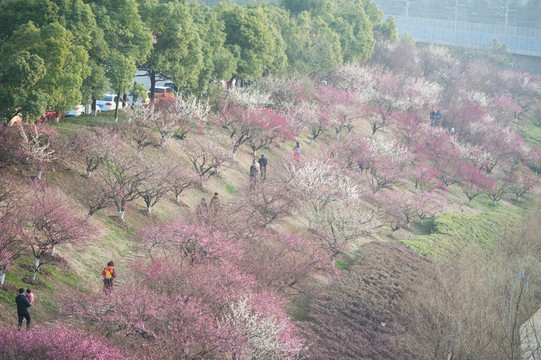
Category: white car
[76,111]
[108,103]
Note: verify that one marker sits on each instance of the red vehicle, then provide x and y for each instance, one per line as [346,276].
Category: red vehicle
[50,115]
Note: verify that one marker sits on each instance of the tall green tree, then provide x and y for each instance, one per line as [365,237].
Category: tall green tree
[120,71]
[20,73]
[219,61]
[65,63]
[313,46]
[177,52]
[249,32]
[355,30]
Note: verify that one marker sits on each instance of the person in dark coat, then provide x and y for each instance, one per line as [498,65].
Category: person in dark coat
[22,308]
[263,166]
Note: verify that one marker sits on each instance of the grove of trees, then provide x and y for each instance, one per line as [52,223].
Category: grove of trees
[225,281]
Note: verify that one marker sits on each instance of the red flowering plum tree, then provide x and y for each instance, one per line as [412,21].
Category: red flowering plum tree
[180,179]
[208,156]
[58,342]
[37,144]
[473,182]
[123,175]
[96,147]
[10,243]
[47,221]
[521,181]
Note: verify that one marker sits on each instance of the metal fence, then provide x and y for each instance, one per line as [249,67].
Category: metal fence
[519,40]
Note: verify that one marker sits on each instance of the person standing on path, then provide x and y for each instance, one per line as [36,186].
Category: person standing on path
[22,309]
[202,209]
[253,174]
[214,204]
[297,152]
[263,166]
[109,274]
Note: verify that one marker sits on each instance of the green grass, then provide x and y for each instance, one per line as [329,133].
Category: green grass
[532,133]
[230,189]
[342,265]
[454,229]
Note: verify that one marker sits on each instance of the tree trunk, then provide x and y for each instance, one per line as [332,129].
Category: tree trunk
[233,155]
[56,118]
[88,173]
[52,250]
[392,233]
[152,77]
[149,209]
[116,108]
[88,216]
[94,108]
[36,265]
[408,225]
[121,215]
[2,277]
[39,174]
[177,196]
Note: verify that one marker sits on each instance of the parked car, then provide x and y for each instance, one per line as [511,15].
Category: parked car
[163,93]
[138,101]
[108,103]
[76,111]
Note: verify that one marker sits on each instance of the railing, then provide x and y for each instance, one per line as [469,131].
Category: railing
[519,40]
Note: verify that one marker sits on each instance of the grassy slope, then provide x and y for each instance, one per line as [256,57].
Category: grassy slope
[115,239]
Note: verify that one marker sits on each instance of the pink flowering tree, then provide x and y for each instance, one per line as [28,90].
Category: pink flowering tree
[521,180]
[140,120]
[497,190]
[269,125]
[10,244]
[37,144]
[47,221]
[344,105]
[427,204]
[505,109]
[208,157]
[281,260]
[96,147]
[301,116]
[425,176]
[154,187]
[57,342]
[473,182]
[180,179]
[388,164]
[271,200]
[408,128]
[353,152]
[123,175]
[242,124]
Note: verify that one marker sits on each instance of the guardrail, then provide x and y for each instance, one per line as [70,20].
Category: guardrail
[519,40]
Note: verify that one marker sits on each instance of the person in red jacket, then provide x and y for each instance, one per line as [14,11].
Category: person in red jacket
[109,275]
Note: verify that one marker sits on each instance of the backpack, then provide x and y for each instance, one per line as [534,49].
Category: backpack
[107,274]
[298,150]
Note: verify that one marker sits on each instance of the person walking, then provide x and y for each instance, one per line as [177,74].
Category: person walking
[297,152]
[214,205]
[22,309]
[263,166]
[202,209]
[253,174]
[109,274]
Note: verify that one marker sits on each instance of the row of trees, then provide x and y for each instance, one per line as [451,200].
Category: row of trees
[55,54]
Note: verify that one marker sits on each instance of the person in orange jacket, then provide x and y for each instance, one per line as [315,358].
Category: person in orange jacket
[109,275]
